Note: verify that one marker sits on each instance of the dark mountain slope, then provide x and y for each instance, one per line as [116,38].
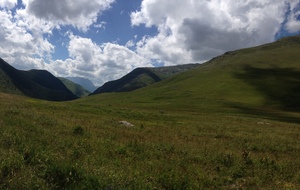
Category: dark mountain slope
[75,88]
[142,77]
[6,85]
[36,83]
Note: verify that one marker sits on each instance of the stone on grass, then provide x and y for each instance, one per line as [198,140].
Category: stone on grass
[126,123]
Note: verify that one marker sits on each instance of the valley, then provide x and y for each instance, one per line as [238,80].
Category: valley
[230,123]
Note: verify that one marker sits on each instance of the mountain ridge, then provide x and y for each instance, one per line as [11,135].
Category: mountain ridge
[34,83]
[142,77]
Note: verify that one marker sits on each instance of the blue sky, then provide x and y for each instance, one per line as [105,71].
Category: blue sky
[103,40]
[113,25]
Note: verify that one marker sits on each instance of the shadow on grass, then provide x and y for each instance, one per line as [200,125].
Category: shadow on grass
[281,89]
[268,114]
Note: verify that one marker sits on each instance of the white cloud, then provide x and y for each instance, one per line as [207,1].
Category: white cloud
[9,4]
[101,25]
[293,23]
[79,13]
[197,30]
[18,44]
[130,44]
[98,63]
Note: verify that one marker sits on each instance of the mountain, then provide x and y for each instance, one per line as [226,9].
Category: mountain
[263,80]
[75,88]
[87,84]
[142,77]
[264,77]
[34,83]
[6,85]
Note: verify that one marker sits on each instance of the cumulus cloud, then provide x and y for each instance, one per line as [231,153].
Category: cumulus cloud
[197,30]
[100,63]
[18,45]
[293,23]
[9,4]
[79,13]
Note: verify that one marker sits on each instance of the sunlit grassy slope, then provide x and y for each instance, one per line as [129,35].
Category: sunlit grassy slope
[264,78]
[76,89]
[231,123]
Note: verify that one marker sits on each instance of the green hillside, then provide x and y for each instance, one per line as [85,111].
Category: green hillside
[264,78]
[231,123]
[141,77]
[75,88]
[86,83]
[34,83]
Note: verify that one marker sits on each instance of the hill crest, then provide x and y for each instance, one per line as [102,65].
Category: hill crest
[142,77]
[34,83]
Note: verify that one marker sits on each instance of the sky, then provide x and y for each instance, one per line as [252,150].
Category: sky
[103,40]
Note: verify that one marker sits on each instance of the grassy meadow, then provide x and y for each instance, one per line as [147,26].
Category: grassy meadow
[79,145]
[231,123]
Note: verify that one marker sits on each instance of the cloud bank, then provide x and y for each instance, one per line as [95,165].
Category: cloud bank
[198,30]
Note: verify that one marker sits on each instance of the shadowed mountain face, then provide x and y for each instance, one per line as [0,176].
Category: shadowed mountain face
[36,83]
[6,85]
[142,77]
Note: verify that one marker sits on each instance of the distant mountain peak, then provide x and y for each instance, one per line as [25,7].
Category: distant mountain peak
[86,83]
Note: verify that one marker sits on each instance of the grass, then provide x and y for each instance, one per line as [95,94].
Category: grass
[74,145]
[215,127]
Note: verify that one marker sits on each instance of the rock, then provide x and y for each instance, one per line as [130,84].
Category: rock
[126,123]
[262,123]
